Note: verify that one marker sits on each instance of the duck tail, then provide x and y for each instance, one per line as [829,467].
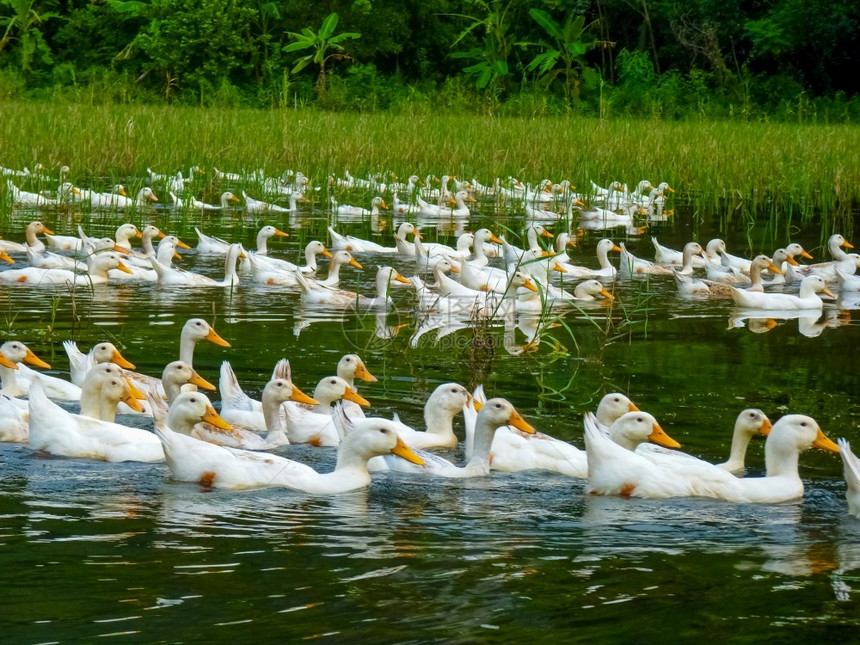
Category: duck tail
[232,395]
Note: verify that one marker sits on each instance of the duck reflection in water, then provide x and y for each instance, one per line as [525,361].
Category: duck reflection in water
[809,324]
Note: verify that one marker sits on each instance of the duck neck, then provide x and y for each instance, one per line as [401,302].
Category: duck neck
[262,243]
[626,442]
[91,399]
[836,251]
[478,250]
[310,258]
[755,278]
[325,400]
[603,258]
[148,249]
[382,285]
[464,243]
[172,389]
[350,458]
[30,235]
[738,450]
[186,349]
[688,261]
[275,422]
[531,235]
[807,289]
[96,270]
[333,271]
[438,420]
[9,381]
[165,254]
[481,445]
[179,422]
[780,460]
[581,292]
[230,266]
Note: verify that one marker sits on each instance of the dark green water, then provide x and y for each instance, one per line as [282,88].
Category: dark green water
[117,550]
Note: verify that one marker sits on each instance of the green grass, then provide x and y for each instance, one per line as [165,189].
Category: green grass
[784,169]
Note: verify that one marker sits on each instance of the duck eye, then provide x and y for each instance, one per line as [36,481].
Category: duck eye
[803,423]
[193,400]
[639,419]
[334,382]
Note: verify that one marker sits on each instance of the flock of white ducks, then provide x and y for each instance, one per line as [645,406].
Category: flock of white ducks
[224,450]
[233,449]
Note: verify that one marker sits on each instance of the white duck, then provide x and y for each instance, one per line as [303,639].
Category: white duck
[606,270]
[315,426]
[64,242]
[97,403]
[459,209]
[80,363]
[60,433]
[749,423]
[177,277]
[345,210]
[98,266]
[109,201]
[267,270]
[29,200]
[496,413]
[240,409]
[688,285]
[258,207]
[665,255]
[17,382]
[192,203]
[143,198]
[244,422]
[314,294]
[852,477]
[217,246]
[215,466]
[615,470]
[631,265]
[357,245]
[30,240]
[193,331]
[445,403]
[176,375]
[807,298]
[338,259]
[529,302]
[514,450]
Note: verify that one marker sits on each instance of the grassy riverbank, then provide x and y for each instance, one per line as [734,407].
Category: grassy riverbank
[772,167]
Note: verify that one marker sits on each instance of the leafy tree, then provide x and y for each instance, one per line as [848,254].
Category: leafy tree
[21,24]
[490,70]
[201,45]
[563,57]
[325,46]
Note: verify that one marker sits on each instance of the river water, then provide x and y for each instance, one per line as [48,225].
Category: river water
[92,549]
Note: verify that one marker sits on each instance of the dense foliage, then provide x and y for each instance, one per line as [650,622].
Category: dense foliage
[775,59]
